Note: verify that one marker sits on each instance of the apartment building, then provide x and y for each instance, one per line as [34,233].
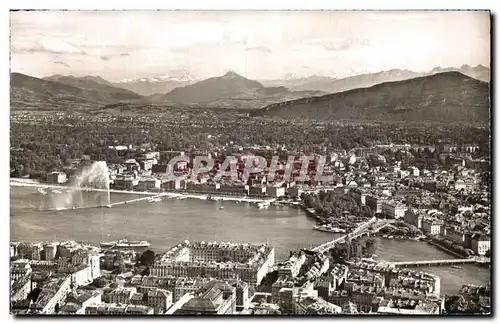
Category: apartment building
[432,225]
[393,209]
[251,263]
[217,298]
[481,244]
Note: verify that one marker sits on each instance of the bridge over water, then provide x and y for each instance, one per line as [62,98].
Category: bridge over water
[478,260]
[361,230]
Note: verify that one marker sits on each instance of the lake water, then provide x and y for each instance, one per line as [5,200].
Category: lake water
[163,224]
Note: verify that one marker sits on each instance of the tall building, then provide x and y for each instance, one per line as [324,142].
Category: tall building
[50,250]
[29,251]
[242,297]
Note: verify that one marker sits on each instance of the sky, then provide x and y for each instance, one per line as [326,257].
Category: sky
[262,45]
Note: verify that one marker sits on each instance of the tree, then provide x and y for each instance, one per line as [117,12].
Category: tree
[122,268]
[362,252]
[488,253]
[370,247]
[33,295]
[100,282]
[147,258]
[137,259]
[119,268]
[145,272]
[89,287]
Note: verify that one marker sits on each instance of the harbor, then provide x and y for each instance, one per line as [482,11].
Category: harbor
[174,220]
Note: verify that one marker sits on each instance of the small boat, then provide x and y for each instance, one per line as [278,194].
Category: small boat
[43,192]
[454,266]
[107,244]
[384,236]
[221,207]
[390,237]
[55,191]
[263,204]
[329,229]
[153,200]
[237,201]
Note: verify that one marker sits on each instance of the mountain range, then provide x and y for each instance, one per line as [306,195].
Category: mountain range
[332,85]
[436,96]
[446,97]
[148,86]
[68,93]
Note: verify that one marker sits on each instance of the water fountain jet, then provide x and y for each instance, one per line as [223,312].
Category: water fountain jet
[91,177]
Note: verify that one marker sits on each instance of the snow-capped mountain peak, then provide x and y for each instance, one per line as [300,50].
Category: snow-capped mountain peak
[176,76]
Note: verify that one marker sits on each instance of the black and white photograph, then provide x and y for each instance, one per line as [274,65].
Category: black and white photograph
[250,162]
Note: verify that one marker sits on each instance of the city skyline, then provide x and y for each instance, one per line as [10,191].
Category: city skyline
[118,45]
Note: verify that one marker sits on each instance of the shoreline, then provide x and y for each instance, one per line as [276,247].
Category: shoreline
[18,182]
[445,249]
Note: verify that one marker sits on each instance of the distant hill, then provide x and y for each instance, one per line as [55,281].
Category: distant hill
[230,90]
[82,81]
[227,86]
[95,83]
[332,85]
[447,97]
[28,93]
[478,72]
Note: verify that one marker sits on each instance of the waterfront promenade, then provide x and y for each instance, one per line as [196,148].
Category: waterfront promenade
[182,195]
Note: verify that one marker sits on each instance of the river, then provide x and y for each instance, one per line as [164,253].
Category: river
[163,224]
